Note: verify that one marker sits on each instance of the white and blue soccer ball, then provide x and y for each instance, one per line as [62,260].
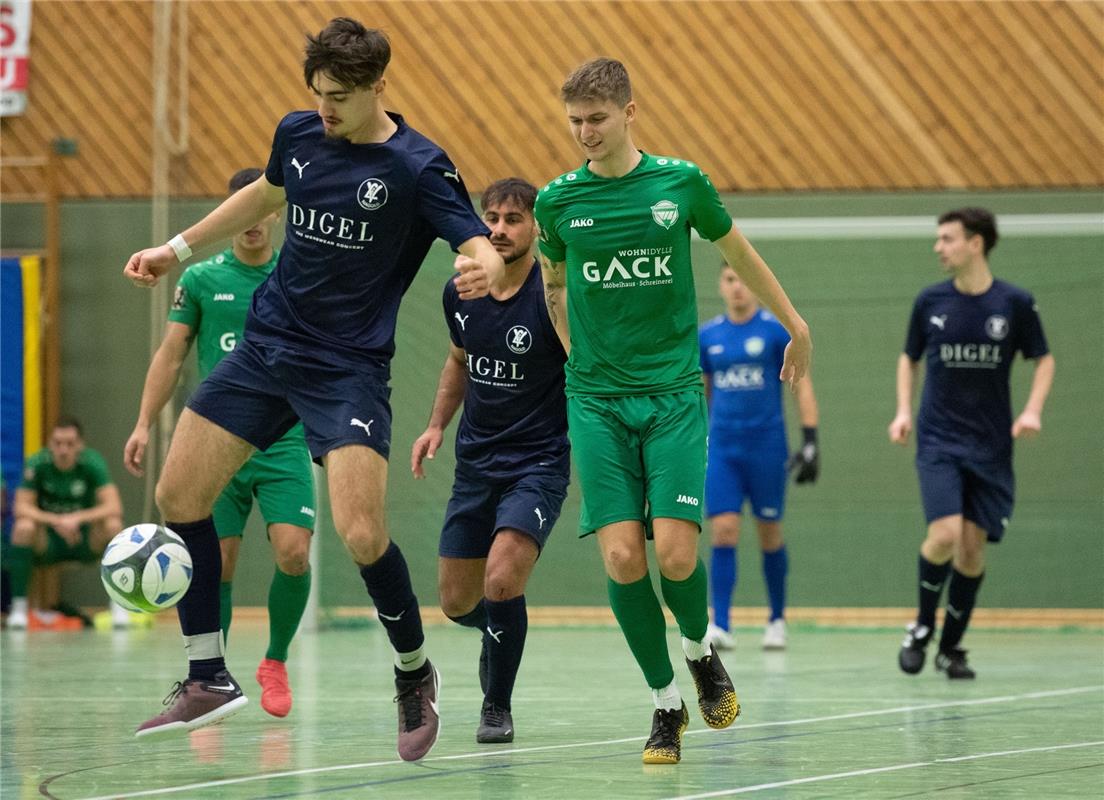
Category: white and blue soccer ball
[146,568]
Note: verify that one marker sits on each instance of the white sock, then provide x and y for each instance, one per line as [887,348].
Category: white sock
[19,605]
[118,613]
[668,698]
[408,662]
[695,651]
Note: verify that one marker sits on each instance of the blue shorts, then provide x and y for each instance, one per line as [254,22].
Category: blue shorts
[982,492]
[751,469]
[479,509]
[260,390]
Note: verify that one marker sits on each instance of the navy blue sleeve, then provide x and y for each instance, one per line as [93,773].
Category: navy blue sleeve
[450,300]
[274,172]
[1032,342]
[444,203]
[915,340]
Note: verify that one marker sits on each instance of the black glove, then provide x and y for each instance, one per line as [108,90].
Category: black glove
[806,461]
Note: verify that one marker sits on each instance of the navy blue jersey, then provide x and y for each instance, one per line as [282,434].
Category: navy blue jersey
[742,362]
[969,342]
[515,411]
[360,219]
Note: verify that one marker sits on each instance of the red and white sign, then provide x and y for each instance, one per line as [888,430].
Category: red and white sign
[15,55]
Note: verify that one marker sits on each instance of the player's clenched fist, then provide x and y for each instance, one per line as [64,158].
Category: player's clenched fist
[471,279]
[146,267]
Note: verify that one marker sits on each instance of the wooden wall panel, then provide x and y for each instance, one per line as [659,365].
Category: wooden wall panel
[765,95]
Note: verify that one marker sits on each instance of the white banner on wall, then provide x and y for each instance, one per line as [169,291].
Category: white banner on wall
[15,55]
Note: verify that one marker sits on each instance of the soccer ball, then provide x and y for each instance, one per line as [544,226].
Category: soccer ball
[146,568]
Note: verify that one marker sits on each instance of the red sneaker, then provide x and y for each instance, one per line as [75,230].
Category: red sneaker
[275,691]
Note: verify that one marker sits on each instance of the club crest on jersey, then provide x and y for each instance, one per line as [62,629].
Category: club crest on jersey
[519,340]
[665,213]
[997,327]
[178,298]
[372,194]
[754,345]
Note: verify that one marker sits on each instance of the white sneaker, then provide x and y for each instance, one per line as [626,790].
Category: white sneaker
[17,616]
[774,636]
[719,637]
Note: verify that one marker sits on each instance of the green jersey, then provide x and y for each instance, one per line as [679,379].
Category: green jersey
[212,298]
[631,303]
[65,491]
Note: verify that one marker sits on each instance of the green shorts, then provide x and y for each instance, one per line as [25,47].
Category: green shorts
[283,483]
[639,458]
[58,550]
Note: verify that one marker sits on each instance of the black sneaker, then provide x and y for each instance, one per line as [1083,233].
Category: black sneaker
[664,746]
[716,698]
[913,648]
[196,703]
[483,666]
[496,726]
[953,662]
[419,722]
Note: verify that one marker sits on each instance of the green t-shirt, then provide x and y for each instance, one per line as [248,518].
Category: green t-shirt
[631,303]
[212,298]
[62,492]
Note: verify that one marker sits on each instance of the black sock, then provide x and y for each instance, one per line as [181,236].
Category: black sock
[961,596]
[476,618]
[199,608]
[932,577]
[507,624]
[388,582]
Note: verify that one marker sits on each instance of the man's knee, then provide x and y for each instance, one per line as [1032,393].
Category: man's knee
[943,535]
[624,562]
[677,563]
[177,504]
[365,539]
[293,554]
[725,530]
[25,531]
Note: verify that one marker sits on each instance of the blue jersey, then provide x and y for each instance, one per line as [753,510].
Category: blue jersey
[515,411]
[742,362]
[968,342]
[360,220]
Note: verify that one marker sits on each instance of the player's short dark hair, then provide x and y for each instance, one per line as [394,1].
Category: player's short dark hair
[518,190]
[68,421]
[598,79]
[348,52]
[976,222]
[243,177]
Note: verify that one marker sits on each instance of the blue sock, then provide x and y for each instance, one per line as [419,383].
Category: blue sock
[723,569]
[507,624]
[388,583]
[775,567]
[199,608]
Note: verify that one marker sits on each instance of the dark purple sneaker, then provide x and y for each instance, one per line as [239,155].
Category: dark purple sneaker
[419,722]
[196,703]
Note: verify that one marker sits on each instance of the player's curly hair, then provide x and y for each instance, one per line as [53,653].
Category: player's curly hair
[598,79]
[518,190]
[348,52]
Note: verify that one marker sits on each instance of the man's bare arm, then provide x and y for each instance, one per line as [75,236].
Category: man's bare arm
[555,297]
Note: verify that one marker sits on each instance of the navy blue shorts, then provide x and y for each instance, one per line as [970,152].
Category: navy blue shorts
[747,470]
[260,390]
[479,509]
[982,492]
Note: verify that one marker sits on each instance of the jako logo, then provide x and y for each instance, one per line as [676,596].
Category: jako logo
[687,499]
[222,297]
[582,223]
[305,509]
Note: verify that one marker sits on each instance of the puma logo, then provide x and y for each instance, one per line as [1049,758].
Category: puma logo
[462,320]
[295,163]
[366,425]
[454,175]
[939,321]
[540,518]
[496,636]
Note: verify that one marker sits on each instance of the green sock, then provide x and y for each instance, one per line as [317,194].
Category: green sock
[688,601]
[226,610]
[20,560]
[641,619]
[287,598]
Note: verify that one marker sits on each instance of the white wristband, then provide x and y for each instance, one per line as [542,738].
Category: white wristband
[180,247]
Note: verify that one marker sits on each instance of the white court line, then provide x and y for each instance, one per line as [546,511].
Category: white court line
[605,742]
[875,770]
[912,227]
